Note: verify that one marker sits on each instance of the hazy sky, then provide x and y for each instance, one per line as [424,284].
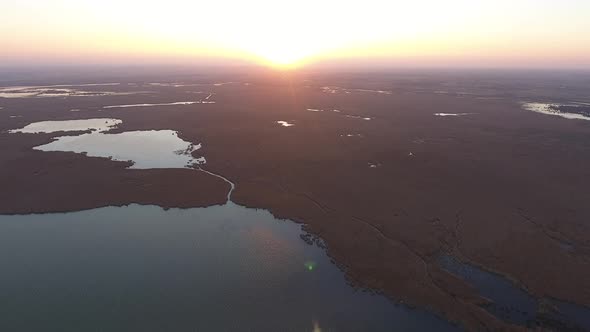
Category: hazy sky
[530,33]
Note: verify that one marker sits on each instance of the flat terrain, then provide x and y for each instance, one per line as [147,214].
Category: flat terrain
[367,165]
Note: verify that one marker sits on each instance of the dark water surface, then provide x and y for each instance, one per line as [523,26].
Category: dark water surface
[141,268]
[512,304]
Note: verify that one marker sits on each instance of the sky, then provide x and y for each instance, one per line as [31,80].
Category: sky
[500,33]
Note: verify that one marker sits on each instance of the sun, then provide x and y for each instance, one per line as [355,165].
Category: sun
[282,58]
[284,48]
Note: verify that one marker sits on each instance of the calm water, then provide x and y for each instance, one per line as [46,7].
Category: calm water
[513,304]
[553,109]
[141,268]
[145,148]
[99,125]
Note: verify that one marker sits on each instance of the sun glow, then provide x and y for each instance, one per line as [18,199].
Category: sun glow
[292,33]
[284,52]
[281,58]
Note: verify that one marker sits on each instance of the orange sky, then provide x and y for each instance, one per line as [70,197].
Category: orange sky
[464,33]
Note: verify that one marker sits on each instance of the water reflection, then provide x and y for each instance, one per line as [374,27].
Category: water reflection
[68,125]
[56,91]
[512,304]
[358,117]
[285,123]
[152,105]
[146,149]
[142,268]
[573,111]
[451,114]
